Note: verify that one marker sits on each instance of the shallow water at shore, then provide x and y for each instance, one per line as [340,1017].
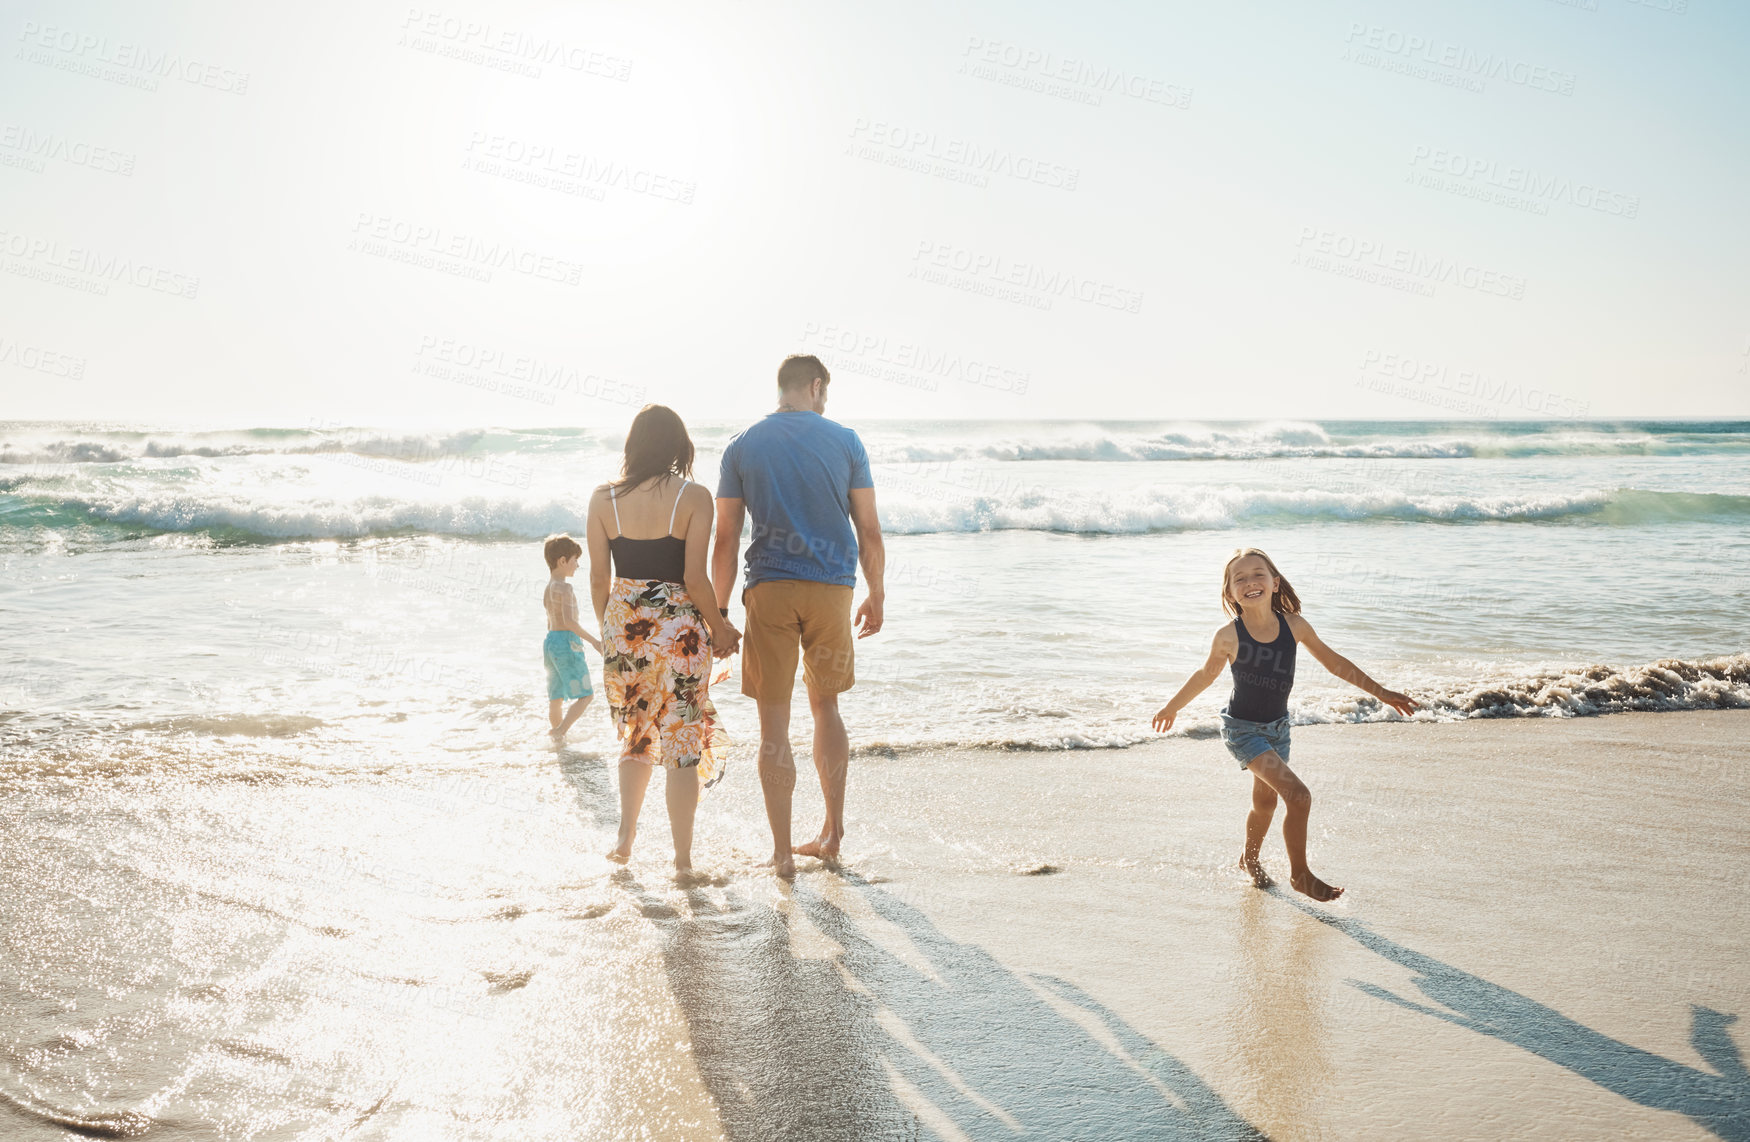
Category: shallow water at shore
[1543,936]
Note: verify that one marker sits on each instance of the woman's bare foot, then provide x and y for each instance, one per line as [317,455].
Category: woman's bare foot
[1254,868]
[622,851]
[1309,885]
[782,866]
[825,847]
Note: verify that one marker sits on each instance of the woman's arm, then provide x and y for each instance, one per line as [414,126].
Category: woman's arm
[1342,668]
[725,639]
[601,557]
[1221,652]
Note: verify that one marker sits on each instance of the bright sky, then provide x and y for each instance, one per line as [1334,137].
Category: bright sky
[349,212]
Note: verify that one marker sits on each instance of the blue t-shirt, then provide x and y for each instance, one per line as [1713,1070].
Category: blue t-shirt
[795,472]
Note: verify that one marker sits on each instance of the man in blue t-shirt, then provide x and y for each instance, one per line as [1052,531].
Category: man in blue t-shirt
[805,481]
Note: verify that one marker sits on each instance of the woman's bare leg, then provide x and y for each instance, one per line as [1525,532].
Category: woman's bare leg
[1257,827]
[1269,768]
[682,792]
[634,779]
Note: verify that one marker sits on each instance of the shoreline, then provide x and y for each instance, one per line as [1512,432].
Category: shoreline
[1544,933]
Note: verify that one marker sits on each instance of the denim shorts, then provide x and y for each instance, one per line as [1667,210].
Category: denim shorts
[1246,740]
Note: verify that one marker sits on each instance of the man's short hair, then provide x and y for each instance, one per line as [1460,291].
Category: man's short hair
[559,547]
[800,370]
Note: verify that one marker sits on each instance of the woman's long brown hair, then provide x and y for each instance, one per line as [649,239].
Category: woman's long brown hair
[1284,601]
[657,445]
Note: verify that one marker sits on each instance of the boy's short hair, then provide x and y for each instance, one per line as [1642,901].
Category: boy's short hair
[559,547]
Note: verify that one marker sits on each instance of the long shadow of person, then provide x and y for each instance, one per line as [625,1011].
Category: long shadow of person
[936,1038]
[1719,1102]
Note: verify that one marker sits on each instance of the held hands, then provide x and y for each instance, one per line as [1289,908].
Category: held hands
[725,642]
[1163,720]
[1402,703]
[869,617]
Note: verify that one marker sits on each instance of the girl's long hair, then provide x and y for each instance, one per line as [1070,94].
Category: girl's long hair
[1284,601]
[657,445]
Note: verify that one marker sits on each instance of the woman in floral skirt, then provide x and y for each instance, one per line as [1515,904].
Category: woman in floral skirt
[649,534]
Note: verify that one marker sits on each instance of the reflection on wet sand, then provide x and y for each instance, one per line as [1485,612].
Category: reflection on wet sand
[1719,1101]
[1278,1015]
[846,1014]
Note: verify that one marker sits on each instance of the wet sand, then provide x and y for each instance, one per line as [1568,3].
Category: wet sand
[1543,937]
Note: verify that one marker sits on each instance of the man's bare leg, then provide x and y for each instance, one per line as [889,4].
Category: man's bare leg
[682,793]
[1269,768]
[777,780]
[832,762]
[634,779]
[1257,826]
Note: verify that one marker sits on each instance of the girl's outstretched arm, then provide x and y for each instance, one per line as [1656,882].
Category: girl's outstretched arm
[1221,652]
[1343,668]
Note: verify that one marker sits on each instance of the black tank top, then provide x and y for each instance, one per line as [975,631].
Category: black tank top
[1263,674]
[664,558]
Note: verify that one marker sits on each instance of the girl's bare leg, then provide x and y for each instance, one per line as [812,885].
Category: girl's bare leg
[1257,826]
[634,779]
[682,793]
[1269,768]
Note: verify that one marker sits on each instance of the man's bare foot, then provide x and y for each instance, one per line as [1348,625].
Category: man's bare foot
[1254,868]
[825,847]
[783,867]
[1309,885]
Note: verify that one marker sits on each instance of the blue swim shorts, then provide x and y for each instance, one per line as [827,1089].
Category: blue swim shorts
[567,671]
[1246,740]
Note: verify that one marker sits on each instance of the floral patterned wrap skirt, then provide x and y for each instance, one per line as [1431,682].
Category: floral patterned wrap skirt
[657,671]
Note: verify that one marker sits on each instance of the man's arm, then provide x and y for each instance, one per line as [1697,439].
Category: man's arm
[872,554]
[726,552]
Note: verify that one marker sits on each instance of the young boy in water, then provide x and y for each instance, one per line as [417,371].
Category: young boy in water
[567,671]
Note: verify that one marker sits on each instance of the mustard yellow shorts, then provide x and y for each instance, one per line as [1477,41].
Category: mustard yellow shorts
[784,614]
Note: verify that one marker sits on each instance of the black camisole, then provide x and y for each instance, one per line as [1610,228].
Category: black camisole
[1263,674]
[663,558]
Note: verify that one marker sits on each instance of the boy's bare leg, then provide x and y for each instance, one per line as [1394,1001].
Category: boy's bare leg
[553,708]
[1269,768]
[634,779]
[777,780]
[1257,827]
[682,793]
[577,709]
[832,762]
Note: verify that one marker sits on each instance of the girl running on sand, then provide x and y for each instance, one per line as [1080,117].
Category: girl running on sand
[1258,647]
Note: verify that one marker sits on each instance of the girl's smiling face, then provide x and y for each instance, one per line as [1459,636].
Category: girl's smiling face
[1249,582]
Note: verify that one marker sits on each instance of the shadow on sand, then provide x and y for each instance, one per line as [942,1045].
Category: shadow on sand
[907,1033]
[901,1034]
[1719,1100]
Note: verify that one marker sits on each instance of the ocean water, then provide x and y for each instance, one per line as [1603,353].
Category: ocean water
[274,595]
[287,854]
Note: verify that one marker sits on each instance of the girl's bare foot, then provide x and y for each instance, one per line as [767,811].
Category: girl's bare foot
[1309,885]
[1254,868]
